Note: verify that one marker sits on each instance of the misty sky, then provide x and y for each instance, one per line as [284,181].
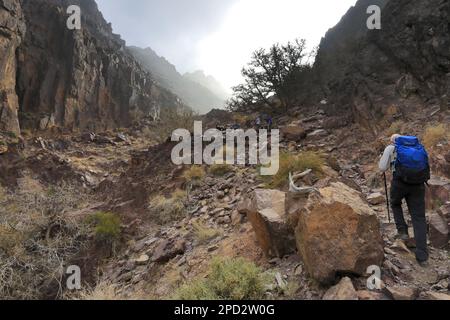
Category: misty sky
[218,36]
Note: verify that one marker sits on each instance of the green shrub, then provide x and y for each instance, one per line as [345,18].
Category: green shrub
[107,226]
[295,163]
[232,279]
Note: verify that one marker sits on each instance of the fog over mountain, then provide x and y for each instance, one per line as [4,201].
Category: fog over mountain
[198,91]
[219,36]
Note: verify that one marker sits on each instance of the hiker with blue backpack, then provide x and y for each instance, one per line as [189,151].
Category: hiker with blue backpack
[409,162]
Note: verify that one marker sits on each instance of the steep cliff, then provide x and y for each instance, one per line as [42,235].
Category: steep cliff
[12,29]
[406,64]
[80,79]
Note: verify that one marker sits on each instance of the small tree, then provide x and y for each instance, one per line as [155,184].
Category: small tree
[271,73]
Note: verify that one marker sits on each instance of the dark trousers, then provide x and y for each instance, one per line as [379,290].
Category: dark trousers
[415,199]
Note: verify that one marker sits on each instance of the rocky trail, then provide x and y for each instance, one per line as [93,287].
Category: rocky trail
[232,213]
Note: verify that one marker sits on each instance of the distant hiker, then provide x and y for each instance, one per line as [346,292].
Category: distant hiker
[258,123]
[409,162]
[269,122]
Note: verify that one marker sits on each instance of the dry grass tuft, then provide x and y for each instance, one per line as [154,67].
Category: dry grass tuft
[165,210]
[203,233]
[435,134]
[295,163]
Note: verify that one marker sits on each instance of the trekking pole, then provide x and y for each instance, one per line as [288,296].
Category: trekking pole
[387,197]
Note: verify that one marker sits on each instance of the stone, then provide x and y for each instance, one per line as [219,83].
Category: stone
[430,295]
[402,293]
[437,192]
[142,260]
[293,133]
[298,270]
[266,212]
[365,295]
[344,290]
[120,137]
[3,148]
[168,249]
[220,195]
[338,232]
[376,198]
[318,133]
[444,212]
[439,231]
[237,218]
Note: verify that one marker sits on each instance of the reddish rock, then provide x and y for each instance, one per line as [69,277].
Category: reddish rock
[344,290]
[402,293]
[266,211]
[293,132]
[371,295]
[439,231]
[338,232]
[437,192]
[168,249]
[430,295]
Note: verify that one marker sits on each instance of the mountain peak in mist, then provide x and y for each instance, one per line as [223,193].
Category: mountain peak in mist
[209,82]
[201,93]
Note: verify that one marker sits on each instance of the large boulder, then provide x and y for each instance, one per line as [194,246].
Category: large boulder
[402,293]
[338,232]
[444,212]
[439,231]
[438,192]
[266,212]
[293,132]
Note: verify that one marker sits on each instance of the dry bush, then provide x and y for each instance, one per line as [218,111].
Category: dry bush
[172,120]
[103,291]
[203,233]
[165,210]
[106,291]
[194,174]
[435,134]
[295,163]
[37,240]
[220,170]
[396,127]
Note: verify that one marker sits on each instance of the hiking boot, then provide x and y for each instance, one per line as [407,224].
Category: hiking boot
[423,263]
[404,236]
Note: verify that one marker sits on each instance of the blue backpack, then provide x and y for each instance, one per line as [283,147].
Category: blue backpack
[412,164]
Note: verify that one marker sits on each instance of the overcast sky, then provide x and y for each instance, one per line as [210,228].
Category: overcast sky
[218,36]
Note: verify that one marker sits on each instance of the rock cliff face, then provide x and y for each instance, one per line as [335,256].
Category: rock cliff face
[80,79]
[12,29]
[407,63]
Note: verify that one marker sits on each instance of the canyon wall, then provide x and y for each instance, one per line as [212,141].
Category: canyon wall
[406,65]
[73,79]
[12,29]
